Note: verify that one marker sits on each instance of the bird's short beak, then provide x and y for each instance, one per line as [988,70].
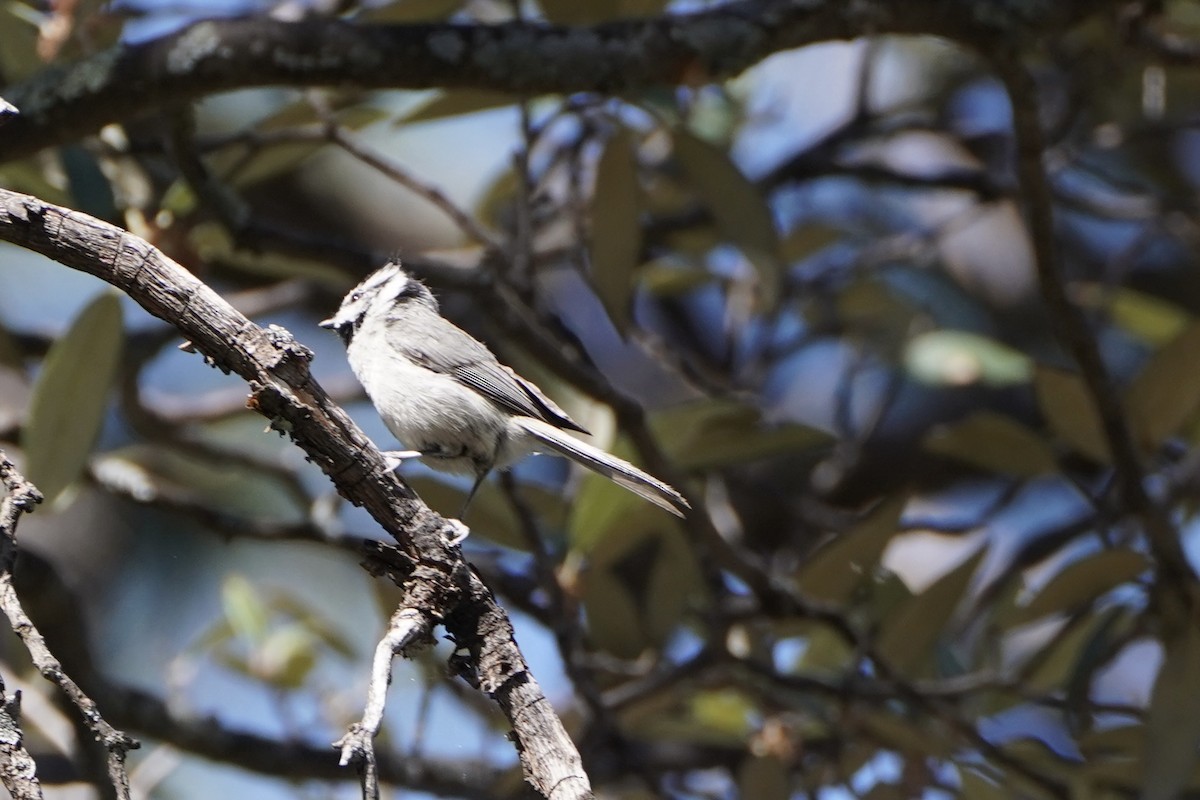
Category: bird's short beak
[330,323]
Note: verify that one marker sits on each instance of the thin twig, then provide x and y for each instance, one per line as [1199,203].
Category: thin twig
[520,261]
[354,146]
[407,626]
[328,131]
[1071,326]
[20,497]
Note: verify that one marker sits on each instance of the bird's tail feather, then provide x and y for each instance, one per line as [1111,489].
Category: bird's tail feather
[615,469]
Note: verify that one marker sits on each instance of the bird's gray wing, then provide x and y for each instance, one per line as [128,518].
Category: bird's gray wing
[454,352]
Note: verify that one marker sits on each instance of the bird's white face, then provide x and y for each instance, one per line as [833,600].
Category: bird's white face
[375,295]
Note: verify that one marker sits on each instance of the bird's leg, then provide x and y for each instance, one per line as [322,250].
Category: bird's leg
[479,476]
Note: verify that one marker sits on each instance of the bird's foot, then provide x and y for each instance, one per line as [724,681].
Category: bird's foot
[394,458]
[460,532]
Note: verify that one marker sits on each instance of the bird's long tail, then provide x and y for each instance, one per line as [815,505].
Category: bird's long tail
[615,469]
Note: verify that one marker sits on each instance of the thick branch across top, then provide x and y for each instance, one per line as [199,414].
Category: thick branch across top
[64,103]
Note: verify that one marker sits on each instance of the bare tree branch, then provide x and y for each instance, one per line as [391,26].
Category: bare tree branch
[208,737]
[276,366]
[18,772]
[521,57]
[20,497]
[289,759]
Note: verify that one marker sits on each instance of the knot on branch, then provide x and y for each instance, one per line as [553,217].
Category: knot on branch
[24,495]
[357,748]
[291,351]
[383,560]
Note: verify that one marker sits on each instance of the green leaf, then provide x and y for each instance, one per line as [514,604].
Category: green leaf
[154,473]
[18,42]
[674,584]
[178,198]
[322,629]
[287,656]
[71,395]
[1068,409]
[349,114]
[408,11]
[573,12]
[91,191]
[728,711]
[721,717]
[716,433]
[1173,718]
[244,166]
[607,518]
[764,777]
[883,592]
[243,170]
[33,175]
[836,570]
[245,610]
[976,787]
[359,115]
[10,354]
[995,443]
[1053,667]
[14,384]
[959,358]
[1082,582]
[737,205]
[1094,654]
[266,264]
[805,240]
[909,634]
[825,651]
[1125,741]
[1166,393]
[1149,317]
[616,236]
[456,102]
[666,277]
[641,8]
[904,735]
[741,213]
[614,622]
[644,569]
[495,203]
[874,309]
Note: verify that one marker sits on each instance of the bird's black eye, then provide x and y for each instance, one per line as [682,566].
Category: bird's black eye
[356,295]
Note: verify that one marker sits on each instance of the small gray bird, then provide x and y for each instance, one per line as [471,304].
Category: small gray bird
[444,395]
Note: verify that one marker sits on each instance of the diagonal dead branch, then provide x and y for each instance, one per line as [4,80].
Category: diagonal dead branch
[282,389]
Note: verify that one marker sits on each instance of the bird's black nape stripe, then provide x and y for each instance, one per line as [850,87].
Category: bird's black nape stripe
[411,289]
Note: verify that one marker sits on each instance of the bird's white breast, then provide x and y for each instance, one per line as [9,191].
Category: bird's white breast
[426,410]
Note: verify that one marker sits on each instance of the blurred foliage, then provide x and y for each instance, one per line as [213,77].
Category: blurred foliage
[912,572]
